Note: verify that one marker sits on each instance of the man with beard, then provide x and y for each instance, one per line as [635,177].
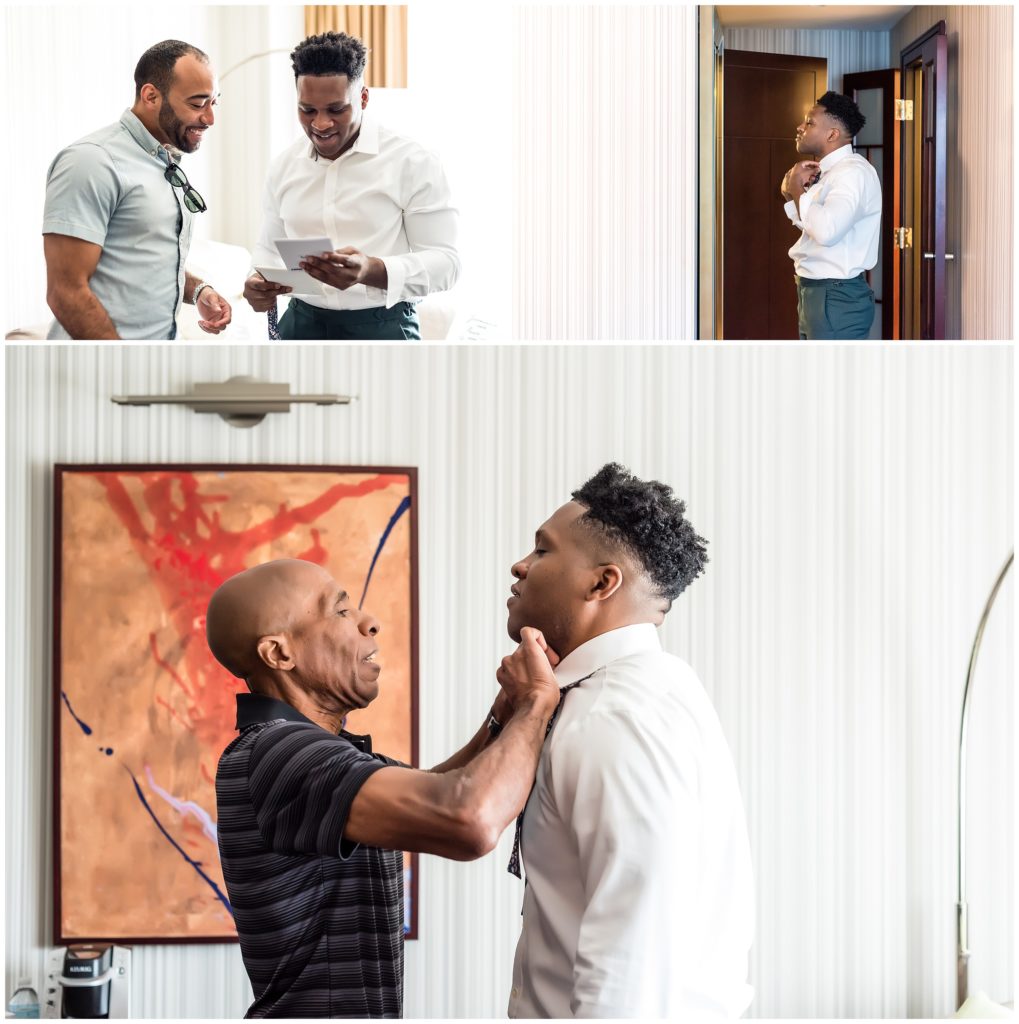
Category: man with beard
[380,197]
[834,198]
[639,896]
[119,210]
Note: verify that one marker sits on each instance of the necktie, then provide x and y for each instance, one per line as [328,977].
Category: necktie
[514,862]
[274,328]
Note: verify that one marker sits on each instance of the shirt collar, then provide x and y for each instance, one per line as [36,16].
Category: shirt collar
[599,651]
[258,708]
[130,120]
[829,161]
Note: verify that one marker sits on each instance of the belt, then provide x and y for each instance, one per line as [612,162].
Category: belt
[828,282]
[373,314]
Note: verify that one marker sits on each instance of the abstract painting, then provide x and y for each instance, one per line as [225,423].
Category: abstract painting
[142,709]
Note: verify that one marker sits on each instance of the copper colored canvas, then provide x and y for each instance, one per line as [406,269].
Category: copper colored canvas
[143,710]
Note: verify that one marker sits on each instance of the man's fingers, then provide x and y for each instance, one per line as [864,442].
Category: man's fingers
[530,633]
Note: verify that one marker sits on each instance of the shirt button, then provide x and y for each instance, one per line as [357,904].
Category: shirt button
[514,993]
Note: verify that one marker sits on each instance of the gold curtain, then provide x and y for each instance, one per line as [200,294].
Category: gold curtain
[381,27]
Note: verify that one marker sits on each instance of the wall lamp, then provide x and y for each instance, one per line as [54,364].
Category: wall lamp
[962,950]
[240,401]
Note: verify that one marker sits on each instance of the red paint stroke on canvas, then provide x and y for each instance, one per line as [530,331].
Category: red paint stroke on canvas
[189,553]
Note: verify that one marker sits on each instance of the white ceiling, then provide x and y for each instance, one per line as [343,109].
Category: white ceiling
[868,17]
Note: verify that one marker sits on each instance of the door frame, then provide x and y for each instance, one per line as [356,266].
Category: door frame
[929,235]
[888,80]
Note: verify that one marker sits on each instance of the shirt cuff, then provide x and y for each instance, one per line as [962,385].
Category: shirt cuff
[396,278]
[792,213]
[54,226]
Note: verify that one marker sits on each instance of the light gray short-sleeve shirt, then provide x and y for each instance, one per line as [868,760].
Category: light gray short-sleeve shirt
[108,188]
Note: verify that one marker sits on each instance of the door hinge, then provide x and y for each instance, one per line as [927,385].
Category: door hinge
[903,110]
[903,238]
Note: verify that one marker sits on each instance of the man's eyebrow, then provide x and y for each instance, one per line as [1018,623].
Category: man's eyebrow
[540,536]
[341,597]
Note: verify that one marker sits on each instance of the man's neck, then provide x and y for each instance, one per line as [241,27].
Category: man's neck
[573,643]
[152,127]
[828,152]
[331,720]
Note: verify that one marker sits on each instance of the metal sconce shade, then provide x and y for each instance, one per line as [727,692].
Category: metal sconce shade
[240,401]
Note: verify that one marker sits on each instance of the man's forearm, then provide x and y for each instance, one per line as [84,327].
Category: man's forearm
[191,282]
[81,314]
[495,784]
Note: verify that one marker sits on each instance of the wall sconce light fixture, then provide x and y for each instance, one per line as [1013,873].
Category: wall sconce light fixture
[240,401]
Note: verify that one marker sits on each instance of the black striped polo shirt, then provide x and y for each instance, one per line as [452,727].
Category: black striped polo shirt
[320,919]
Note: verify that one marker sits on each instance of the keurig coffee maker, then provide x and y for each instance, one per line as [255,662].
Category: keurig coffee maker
[88,982]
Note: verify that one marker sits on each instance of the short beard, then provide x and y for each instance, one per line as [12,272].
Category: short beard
[174,128]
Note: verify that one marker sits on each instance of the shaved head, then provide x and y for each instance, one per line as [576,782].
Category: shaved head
[267,599]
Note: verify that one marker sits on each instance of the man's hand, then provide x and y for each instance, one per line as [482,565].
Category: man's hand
[346,267]
[262,294]
[799,177]
[526,675]
[214,311]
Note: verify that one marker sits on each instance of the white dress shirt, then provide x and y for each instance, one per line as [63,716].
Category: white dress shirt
[639,897]
[387,196]
[840,217]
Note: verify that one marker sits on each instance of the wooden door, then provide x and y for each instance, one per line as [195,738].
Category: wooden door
[924,145]
[875,93]
[765,97]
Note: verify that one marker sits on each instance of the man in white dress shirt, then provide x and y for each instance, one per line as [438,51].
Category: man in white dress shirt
[381,198]
[639,894]
[835,199]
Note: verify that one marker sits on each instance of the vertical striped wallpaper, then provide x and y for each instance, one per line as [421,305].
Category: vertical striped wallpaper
[980,229]
[858,502]
[606,169]
[845,51]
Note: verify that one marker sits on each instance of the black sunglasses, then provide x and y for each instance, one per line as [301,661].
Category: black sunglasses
[192,200]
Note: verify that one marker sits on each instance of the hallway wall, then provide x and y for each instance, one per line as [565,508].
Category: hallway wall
[845,52]
[980,228]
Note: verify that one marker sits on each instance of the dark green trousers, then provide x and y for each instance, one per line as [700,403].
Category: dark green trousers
[304,322]
[833,309]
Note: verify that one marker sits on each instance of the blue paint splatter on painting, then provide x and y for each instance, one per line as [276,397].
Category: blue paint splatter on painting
[401,508]
[109,751]
[86,729]
[195,864]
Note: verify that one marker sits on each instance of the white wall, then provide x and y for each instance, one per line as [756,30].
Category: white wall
[858,501]
[606,164]
[458,103]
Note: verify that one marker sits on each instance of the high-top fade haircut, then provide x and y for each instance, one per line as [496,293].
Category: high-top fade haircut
[331,53]
[156,64]
[844,110]
[644,518]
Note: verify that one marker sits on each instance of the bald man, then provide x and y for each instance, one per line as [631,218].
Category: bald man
[312,821]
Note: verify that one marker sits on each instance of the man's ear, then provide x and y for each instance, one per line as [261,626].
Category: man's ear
[149,94]
[275,651]
[608,580]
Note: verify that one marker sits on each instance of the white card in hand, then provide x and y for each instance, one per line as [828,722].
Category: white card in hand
[293,250]
[302,283]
